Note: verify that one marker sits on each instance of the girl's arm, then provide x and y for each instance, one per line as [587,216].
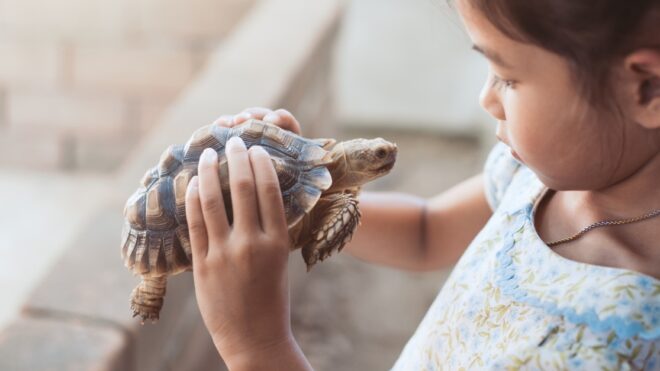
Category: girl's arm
[286,356]
[413,233]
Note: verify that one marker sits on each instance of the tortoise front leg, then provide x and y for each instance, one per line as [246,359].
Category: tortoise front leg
[147,297]
[335,217]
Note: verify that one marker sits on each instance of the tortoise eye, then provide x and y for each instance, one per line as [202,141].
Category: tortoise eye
[381,153]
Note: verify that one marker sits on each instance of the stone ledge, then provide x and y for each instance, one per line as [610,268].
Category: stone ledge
[43,343]
[90,285]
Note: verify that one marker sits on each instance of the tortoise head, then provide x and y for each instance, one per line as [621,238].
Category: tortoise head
[358,161]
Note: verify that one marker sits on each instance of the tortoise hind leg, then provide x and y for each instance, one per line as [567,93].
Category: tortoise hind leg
[336,217]
[147,297]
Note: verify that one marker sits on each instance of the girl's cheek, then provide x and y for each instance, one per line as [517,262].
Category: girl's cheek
[520,126]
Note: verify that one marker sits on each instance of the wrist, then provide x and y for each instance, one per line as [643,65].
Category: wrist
[282,355]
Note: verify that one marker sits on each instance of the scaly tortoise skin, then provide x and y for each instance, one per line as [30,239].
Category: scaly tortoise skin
[319,179]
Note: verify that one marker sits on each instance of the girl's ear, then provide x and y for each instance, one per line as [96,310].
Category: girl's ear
[642,68]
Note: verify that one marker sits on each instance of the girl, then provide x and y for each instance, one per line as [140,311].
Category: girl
[562,265]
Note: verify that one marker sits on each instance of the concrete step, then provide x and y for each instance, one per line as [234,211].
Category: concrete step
[42,212]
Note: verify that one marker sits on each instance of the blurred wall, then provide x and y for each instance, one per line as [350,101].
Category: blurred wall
[82,80]
[77,317]
[408,64]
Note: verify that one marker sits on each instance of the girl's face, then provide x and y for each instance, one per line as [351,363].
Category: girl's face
[545,121]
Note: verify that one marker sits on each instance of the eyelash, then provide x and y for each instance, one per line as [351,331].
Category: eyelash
[500,82]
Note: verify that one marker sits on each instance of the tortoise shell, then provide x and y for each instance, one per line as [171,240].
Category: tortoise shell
[155,239]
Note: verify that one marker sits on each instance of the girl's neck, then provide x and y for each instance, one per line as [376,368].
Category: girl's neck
[631,246]
[637,194]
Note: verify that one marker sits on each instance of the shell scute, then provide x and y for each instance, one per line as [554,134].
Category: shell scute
[180,184]
[149,177]
[159,206]
[170,160]
[202,138]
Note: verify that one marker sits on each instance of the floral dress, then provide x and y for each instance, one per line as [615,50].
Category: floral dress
[512,303]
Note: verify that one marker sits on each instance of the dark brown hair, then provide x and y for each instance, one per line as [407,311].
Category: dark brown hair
[591,35]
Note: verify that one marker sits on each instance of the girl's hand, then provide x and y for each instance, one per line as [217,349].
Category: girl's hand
[240,270]
[280,117]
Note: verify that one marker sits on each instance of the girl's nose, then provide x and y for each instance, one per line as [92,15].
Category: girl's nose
[490,101]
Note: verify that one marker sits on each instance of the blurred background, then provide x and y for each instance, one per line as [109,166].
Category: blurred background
[92,91]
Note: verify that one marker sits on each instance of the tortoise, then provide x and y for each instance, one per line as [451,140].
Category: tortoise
[319,178]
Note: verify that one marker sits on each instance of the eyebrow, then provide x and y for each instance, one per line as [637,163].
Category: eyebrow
[493,56]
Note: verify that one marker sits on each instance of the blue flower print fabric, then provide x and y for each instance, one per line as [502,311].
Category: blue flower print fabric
[511,303]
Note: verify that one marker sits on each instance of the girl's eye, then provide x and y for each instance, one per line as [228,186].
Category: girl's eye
[499,82]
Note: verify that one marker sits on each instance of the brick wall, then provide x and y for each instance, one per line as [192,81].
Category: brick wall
[82,80]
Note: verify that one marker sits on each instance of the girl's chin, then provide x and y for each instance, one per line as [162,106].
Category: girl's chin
[515,155]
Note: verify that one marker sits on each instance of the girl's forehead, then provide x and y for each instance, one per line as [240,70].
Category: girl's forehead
[486,38]
[479,28]
[491,42]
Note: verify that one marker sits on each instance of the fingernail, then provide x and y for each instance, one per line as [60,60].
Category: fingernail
[194,183]
[235,143]
[242,117]
[271,117]
[208,156]
[193,187]
[259,149]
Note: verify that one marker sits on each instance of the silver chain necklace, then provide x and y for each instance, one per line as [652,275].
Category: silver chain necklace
[605,223]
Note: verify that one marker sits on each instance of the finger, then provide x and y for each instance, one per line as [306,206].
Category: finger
[257,112]
[271,207]
[241,118]
[241,184]
[196,228]
[224,120]
[210,195]
[284,119]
